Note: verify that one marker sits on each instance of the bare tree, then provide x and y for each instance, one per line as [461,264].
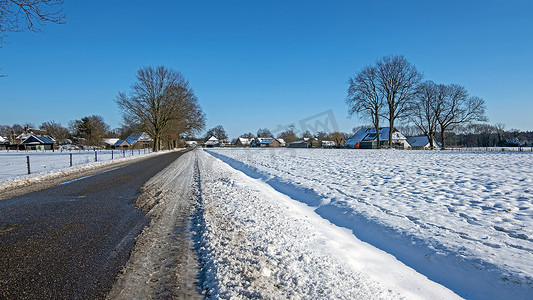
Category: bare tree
[289,135]
[56,130]
[457,108]
[264,133]
[427,106]
[364,97]
[397,79]
[218,131]
[28,15]
[248,135]
[162,103]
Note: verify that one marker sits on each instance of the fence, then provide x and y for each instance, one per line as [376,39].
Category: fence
[492,149]
[15,163]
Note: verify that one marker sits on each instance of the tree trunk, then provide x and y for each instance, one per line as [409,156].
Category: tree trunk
[431,137]
[391,126]
[442,138]
[378,138]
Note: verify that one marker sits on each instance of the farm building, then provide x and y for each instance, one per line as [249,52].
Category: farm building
[299,144]
[269,143]
[366,138]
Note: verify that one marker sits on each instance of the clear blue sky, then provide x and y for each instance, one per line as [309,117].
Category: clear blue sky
[257,64]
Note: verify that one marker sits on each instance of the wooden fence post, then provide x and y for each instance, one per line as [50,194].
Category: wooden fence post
[28,162]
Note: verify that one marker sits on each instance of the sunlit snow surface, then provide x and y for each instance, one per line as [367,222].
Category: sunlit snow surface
[464,219]
[13,164]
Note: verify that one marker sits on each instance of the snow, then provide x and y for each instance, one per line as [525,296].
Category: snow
[463,219]
[255,242]
[43,164]
[163,264]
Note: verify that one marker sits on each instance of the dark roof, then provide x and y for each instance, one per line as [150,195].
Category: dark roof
[267,141]
[369,134]
[120,142]
[39,140]
[138,137]
[420,141]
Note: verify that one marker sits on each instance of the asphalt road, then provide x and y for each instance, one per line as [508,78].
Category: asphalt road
[71,241]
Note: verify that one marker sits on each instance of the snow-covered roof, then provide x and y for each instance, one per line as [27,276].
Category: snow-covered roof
[369,134]
[110,141]
[212,139]
[245,141]
[3,139]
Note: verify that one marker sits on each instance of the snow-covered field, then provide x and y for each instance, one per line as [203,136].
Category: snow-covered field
[464,220]
[256,242]
[13,164]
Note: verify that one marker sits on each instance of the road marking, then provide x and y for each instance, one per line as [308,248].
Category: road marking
[81,178]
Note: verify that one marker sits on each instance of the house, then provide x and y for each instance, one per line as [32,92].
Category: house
[4,143]
[328,144]
[420,142]
[122,144]
[243,142]
[140,140]
[38,142]
[269,143]
[27,133]
[109,142]
[366,138]
[212,142]
[300,144]
[282,142]
[257,141]
[191,143]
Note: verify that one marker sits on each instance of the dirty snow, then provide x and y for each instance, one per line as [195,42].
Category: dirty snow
[465,219]
[163,264]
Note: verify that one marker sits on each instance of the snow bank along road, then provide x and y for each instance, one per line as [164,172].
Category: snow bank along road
[71,240]
[464,220]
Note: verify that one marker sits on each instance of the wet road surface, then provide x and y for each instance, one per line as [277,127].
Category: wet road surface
[71,241]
